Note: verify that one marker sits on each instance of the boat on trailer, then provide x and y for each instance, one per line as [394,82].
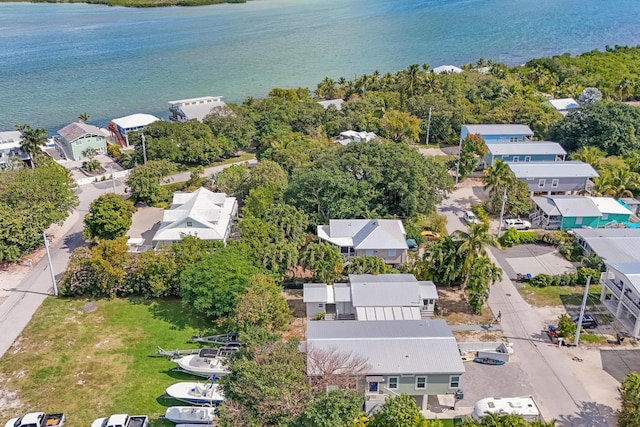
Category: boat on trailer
[188,415]
[208,362]
[197,393]
[488,361]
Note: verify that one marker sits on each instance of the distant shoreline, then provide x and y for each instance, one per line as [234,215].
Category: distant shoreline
[135,3]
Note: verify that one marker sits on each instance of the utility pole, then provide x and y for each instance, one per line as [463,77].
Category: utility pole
[458,164]
[428,126]
[113,179]
[144,148]
[53,276]
[504,202]
[584,303]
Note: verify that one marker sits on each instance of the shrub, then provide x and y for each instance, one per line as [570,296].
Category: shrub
[510,238]
[584,272]
[481,212]
[565,279]
[321,315]
[114,152]
[91,165]
[566,327]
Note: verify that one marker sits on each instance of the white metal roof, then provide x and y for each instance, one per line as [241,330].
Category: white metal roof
[447,69]
[210,220]
[10,139]
[388,313]
[525,148]
[564,103]
[428,290]
[391,346]
[609,205]
[363,234]
[499,129]
[631,271]
[134,121]
[384,290]
[199,108]
[571,169]
[317,292]
[335,102]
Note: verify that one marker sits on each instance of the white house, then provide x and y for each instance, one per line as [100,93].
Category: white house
[203,213]
[10,146]
[372,297]
[337,103]
[385,238]
[563,105]
[121,126]
[349,136]
[197,108]
[447,69]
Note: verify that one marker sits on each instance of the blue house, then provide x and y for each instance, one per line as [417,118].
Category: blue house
[542,151]
[495,133]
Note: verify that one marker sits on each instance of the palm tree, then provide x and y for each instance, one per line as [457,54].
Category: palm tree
[410,78]
[589,154]
[83,117]
[32,140]
[497,177]
[483,274]
[617,182]
[474,245]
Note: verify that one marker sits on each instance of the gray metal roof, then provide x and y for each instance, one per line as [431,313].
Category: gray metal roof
[614,245]
[567,206]
[631,270]
[388,313]
[384,290]
[499,129]
[526,148]
[573,169]
[342,292]
[314,292]
[428,290]
[391,346]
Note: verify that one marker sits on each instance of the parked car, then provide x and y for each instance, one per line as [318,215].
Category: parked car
[430,235]
[470,218]
[588,321]
[413,246]
[518,224]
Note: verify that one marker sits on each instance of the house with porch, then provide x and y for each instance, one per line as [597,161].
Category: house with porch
[416,357]
[498,133]
[197,108]
[573,211]
[121,127]
[618,245]
[203,213]
[553,178]
[10,142]
[621,293]
[384,238]
[73,140]
[372,297]
[540,151]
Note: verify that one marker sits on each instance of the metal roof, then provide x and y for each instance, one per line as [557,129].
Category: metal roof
[363,234]
[571,169]
[499,129]
[391,346]
[384,290]
[428,290]
[335,102]
[388,313]
[134,121]
[315,292]
[563,103]
[631,271]
[609,205]
[526,148]
[74,131]
[10,139]
[447,69]
[342,292]
[614,245]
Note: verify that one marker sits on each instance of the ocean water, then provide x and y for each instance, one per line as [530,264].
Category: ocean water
[60,60]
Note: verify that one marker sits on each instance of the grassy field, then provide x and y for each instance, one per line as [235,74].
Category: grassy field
[95,359]
[560,295]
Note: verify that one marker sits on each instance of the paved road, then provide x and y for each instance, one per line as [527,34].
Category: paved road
[560,394]
[16,311]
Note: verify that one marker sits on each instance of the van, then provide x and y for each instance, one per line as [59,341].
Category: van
[470,218]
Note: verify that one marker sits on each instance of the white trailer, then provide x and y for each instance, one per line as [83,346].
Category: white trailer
[524,406]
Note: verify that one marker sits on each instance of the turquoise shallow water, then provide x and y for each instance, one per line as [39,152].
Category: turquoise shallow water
[60,60]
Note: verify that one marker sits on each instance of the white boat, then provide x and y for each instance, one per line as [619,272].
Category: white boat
[196,393]
[188,415]
[206,363]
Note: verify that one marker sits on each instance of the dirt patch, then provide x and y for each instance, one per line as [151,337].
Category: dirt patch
[475,336]
[90,307]
[294,300]
[454,308]
[8,399]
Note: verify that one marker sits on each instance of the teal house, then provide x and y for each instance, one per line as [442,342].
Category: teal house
[513,152]
[496,133]
[568,212]
[74,139]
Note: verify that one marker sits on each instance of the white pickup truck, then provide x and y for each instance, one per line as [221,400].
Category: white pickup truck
[37,419]
[122,420]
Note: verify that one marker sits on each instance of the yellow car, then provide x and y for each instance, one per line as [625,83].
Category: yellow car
[430,235]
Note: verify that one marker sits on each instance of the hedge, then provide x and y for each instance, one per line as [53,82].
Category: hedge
[565,279]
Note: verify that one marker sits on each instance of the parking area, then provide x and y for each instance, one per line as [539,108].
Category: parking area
[145,223]
[537,259]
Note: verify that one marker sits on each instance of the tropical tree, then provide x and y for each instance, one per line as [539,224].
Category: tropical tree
[401,411]
[145,181]
[109,217]
[325,260]
[367,265]
[337,408]
[618,182]
[589,154]
[482,275]
[83,117]
[32,140]
[629,413]
[474,243]
[497,177]
[400,126]
[472,151]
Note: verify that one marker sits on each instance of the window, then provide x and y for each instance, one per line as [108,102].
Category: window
[527,158]
[393,383]
[421,383]
[392,253]
[578,220]
[454,381]
[554,183]
[605,216]
[189,224]
[515,159]
[542,183]
[513,139]
[368,252]
[373,387]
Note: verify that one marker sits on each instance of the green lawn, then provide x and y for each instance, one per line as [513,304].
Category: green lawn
[92,364]
[560,295]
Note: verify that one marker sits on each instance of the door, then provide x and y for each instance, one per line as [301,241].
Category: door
[373,387]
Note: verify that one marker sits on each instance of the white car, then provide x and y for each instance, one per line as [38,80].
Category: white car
[518,224]
[471,218]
